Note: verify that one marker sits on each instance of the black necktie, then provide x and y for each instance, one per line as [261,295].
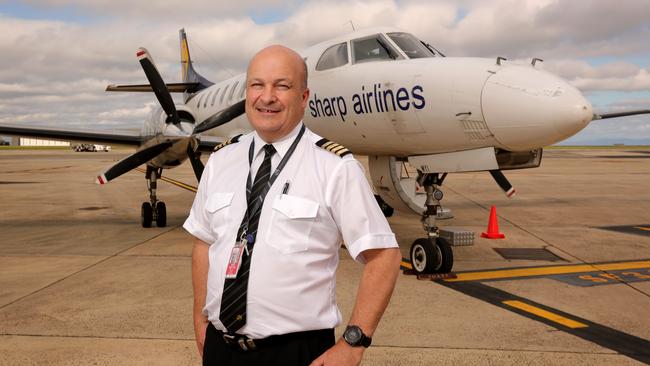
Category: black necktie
[233,299]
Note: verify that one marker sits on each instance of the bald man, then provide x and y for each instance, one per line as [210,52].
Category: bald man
[271,212]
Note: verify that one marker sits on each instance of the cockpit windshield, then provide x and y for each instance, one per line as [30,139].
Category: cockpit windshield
[373,48]
[412,47]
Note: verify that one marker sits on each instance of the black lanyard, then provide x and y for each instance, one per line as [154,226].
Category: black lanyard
[258,203]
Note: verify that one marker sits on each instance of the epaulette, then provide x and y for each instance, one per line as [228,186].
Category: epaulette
[333,147]
[231,140]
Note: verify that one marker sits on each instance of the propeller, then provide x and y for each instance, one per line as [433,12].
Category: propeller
[503,182]
[161,91]
[222,117]
[133,161]
[158,85]
[195,159]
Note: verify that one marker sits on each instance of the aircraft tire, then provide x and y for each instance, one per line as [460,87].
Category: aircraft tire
[161,214]
[447,256]
[146,214]
[428,256]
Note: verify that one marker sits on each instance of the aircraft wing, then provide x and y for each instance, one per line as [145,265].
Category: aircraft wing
[80,135]
[172,87]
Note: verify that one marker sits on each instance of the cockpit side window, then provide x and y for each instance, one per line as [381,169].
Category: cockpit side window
[411,46]
[373,48]
[334,56]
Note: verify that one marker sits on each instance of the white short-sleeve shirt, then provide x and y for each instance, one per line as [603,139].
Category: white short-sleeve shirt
[292,279]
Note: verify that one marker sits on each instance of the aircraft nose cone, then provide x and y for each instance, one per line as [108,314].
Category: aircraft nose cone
[572,113]
[527,108]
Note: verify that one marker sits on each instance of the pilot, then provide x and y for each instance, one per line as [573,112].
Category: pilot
[271,212]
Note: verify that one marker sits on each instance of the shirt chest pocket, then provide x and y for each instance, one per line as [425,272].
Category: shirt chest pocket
[218,207]
[291,222]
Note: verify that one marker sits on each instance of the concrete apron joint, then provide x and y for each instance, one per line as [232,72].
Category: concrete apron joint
[87,267]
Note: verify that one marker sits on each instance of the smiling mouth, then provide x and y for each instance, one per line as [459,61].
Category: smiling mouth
[265,110]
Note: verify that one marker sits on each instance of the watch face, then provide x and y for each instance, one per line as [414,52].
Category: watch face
[353,335]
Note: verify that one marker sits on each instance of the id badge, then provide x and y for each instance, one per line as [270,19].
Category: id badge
[235,259]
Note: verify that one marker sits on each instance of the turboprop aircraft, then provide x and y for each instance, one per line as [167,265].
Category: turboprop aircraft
[381,92]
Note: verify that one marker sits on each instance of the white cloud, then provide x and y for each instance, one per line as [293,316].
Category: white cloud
[164,10]
[57,70]
[619,75]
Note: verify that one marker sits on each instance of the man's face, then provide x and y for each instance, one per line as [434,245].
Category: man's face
[275,96]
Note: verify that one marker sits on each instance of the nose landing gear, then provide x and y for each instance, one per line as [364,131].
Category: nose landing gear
[153,210]
[432,254]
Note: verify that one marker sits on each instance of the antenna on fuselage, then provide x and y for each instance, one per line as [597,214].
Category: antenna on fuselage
[351,24]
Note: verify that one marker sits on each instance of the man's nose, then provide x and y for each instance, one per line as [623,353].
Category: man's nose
[268,95]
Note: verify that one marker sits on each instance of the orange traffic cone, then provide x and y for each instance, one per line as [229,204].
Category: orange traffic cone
[493,226]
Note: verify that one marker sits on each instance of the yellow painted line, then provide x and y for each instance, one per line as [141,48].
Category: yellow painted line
[172,181]
[546,314]
[179,184]
[545,271]
[642,228]
[406,264]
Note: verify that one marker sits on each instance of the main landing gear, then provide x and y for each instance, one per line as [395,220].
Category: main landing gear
[432,254]
[153,210]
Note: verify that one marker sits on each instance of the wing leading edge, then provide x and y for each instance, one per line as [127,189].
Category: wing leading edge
[81,135]
[172,87]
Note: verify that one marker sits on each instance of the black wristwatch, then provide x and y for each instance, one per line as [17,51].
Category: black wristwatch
[355,337]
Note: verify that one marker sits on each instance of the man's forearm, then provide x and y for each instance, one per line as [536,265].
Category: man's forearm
[376,287]
[200,266]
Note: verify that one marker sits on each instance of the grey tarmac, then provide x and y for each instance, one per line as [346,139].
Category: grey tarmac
[81,283]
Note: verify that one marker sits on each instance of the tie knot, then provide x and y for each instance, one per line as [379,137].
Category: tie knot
[269,150]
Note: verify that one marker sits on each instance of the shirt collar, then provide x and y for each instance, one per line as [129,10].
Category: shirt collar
[281,146]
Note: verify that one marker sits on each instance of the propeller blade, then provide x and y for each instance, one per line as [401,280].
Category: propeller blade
[132,161]
[222,117]
[158,85]
[197,164]
[503,182]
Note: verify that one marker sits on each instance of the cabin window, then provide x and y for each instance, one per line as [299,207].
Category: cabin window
[411,46]
[232,90]
[373,48]
[242,92]
[334,56]
[224,93]
[198,105]
[207,97]
[214,97]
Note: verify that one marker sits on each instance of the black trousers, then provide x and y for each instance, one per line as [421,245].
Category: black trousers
[296,351]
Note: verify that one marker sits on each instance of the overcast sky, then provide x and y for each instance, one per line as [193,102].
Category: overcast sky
[59,55]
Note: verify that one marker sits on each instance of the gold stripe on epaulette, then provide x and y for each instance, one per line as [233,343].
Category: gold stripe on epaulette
[333,147]
[343,152]
[337,149]
[231,140]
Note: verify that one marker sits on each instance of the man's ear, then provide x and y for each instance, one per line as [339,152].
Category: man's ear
[305,97]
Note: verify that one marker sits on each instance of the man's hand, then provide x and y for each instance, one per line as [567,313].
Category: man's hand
[341,354]
[200,328]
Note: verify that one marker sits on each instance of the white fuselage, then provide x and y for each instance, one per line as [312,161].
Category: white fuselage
[406,107]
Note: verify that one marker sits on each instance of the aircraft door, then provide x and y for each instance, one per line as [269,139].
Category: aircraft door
[404,118]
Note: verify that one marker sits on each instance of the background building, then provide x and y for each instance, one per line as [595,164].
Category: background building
[39,142]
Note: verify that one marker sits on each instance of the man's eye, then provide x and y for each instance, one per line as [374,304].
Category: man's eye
[256,85]
[283,86]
